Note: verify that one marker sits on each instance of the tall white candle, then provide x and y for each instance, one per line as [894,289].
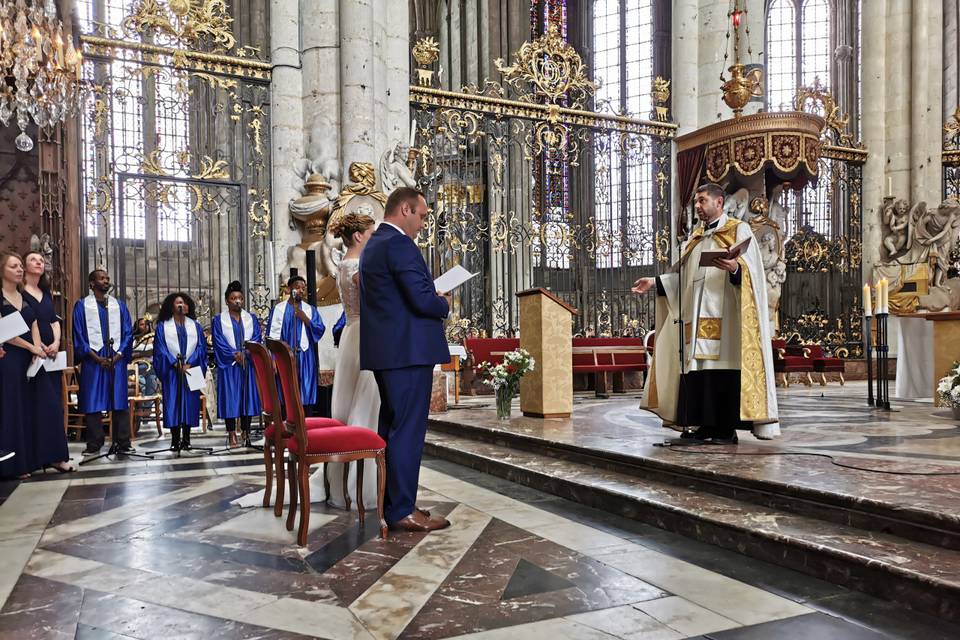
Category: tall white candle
[890,187]
[413,133]
[867,302]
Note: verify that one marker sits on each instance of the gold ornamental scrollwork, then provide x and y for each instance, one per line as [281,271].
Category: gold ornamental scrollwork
[815,98]
[550,68]
[661,246]
[426,51]
[187,24]
[211,169]
[661,95]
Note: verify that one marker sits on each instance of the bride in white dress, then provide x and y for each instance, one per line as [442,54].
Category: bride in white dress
[356,398]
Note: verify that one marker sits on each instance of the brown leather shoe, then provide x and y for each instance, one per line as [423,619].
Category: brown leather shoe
[416,521]
[425,512]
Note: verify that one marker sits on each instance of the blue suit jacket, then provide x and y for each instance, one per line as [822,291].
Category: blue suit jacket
[401,315]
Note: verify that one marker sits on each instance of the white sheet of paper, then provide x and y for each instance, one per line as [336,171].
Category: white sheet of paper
[12,326]
[195,379]
[58,363]
[452,279]
[35,365]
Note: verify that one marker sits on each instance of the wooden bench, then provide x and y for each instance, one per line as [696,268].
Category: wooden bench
[604,360]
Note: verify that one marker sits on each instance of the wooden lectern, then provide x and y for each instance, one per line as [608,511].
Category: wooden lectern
[946,344]
[546,330]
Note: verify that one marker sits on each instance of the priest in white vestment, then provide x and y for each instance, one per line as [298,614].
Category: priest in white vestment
[724,379]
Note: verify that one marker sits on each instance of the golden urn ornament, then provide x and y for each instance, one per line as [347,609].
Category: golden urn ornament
[740,88]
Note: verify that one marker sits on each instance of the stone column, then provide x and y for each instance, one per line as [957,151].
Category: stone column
[393,123]
[357,81]
[712,44]
[898,69]
[286,121]
[873,84]
[951,41]
[320,34]
[926,97]
[684,84]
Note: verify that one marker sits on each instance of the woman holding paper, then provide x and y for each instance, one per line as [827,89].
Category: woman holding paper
[179,346]
[49,439]
[356,397]
[16,416]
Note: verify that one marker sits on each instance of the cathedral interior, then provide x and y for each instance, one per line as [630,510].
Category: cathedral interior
[561,148]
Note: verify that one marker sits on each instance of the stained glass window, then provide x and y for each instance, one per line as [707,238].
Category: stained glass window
[623,65]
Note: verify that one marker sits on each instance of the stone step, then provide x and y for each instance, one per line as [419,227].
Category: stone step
[845,506]
[922,576]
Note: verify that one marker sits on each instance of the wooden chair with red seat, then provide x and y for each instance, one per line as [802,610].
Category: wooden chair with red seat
[308,447]
[824,364]
[274,439]
[789,359]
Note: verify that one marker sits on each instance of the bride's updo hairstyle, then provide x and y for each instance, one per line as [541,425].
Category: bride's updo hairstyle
[350,223]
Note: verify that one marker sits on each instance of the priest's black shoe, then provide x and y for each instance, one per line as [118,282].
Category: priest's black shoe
[700,435]
[730,438]
[127,449]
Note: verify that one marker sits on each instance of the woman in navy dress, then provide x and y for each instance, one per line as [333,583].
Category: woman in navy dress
[237,396]
[179,345]
[16,414]
[49,438]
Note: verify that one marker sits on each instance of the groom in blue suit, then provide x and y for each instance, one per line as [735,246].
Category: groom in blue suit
[401,339]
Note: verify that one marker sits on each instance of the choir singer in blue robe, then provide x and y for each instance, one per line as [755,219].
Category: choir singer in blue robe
[237,395]
[299,325]
[102,348]
[178,346]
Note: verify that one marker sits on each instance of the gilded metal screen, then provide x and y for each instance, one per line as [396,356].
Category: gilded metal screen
[175,155]
[530,188]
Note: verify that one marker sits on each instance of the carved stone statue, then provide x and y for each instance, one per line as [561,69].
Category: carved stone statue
[394,169]
[945,297]
[937,232]
[362,196]
[313,211]
[770,242]
[918,243]
[895,217]
[735,205]
[42,244]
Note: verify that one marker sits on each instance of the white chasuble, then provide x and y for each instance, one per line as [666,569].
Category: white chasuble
[725,327]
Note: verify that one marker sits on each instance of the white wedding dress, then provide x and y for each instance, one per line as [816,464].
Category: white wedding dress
[356,402]
[356,398]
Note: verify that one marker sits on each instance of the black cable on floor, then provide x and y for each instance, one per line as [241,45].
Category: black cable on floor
[815,455]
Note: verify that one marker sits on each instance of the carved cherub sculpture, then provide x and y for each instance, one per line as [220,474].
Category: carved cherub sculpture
[394,171]
[896,221]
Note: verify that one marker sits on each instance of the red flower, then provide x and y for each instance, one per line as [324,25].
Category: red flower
[511,368]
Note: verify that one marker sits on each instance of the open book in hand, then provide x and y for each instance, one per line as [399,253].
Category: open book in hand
[731,253]
[452,279]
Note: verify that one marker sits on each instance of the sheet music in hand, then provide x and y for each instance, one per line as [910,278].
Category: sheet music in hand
[707,257]
[195,379]
[35,365]
[58,363]
[452,279]
[12,326]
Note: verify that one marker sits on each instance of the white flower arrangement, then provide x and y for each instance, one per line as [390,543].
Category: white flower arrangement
[515,365]
[949,387]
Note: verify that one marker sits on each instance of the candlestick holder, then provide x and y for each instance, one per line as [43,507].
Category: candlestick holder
[868,352]
[883,354]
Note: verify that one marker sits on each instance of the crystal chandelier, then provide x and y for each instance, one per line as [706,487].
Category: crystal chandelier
[39,77]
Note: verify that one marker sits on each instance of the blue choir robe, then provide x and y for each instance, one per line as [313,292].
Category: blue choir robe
[237,393]
[302,338]
[94,326]
[191,343]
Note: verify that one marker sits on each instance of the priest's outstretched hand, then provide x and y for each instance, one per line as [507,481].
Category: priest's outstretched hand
[730,266]
[643,285]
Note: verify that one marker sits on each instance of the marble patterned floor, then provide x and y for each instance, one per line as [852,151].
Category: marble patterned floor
[908,458]
[155,549]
